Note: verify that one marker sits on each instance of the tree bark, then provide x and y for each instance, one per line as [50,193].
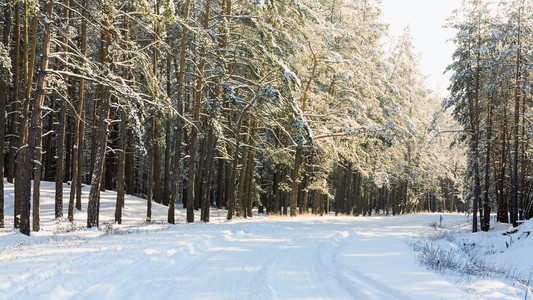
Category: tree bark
[251,165]
[199,176]
[179,126]
[220,184]
[474,119]
[168,142]
[60,170]
[514,177]
[36,226]
[208,171]
[103,114]
[523,160]
[486,199]
[48,139]
[81,108]
[194,129]
[4,95]
[121,163]
[15,102]
[32,140]
[150,171]
[240,205]
[22,194]
[295,179]
[78,121]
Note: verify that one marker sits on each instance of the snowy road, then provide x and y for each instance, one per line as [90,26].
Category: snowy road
[260,258]
[263,258]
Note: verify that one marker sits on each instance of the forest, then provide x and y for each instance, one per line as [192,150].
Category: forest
[291,107]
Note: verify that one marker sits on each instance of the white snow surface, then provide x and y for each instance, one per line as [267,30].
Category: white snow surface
[262,257]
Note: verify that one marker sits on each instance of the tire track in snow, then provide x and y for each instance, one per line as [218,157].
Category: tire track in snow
[223,261]
[355,282]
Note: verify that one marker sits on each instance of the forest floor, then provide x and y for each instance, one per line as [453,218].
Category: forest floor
[417,256]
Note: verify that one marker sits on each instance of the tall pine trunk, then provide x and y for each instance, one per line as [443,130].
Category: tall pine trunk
[474,119]
[194,129]
[168,143]
[514,168]
[15,102]
[4,95]
[176,186]
[77,153]
[60,161]
[156,155]
[120,172]
[37,177]
[103,114]
[523,160]
[208,172]
[486,199]
[22,192]
[150,171]
[35,121]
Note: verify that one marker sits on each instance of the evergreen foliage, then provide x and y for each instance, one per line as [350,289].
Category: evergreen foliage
[289,106]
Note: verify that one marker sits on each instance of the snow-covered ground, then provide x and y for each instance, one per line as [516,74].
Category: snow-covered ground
[259,258]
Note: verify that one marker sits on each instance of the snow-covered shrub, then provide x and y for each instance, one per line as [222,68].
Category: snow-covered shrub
[471,255]
[435,258]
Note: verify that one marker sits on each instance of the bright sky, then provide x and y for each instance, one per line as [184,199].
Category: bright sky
[425,18]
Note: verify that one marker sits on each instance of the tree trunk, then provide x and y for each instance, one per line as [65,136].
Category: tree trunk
[231,195]
[4,95]
[168,146]
[150,171]
[514,177]
[474,119]
[220,184]
[176,186]
[32,140]
[194,129]
[36,226]
[523,155]
[486,200]
[60,170]
[156,163]
[94,128]
[48,142]
[240,209]
[78,142]
[503,210]
[250,172]
[357,193]
[295,179]
[157,166]
[22,193]
[60,167]
[78,165]
[130,163]
[168,132]
[103,114]
[198,184]
[121,162]
[15,103]
[208,171]
[276,192]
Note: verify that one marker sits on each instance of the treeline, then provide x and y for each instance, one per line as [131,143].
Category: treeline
[491,99]
[284,105]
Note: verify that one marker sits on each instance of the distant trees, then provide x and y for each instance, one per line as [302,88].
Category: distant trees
[283,105]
